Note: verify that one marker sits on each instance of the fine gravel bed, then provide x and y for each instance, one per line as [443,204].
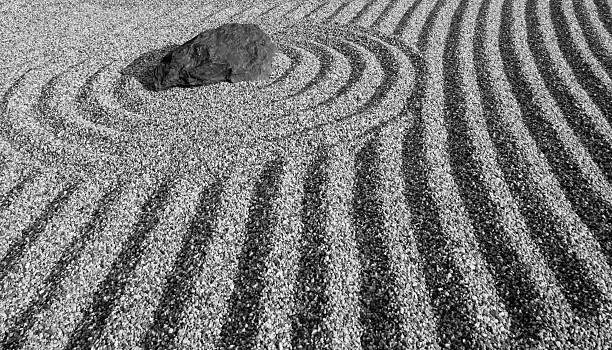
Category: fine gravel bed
[595,34]
[585,67]
[472,308]
[415,174]
[392,15]
[577,173]
[594,132]
[35,261]
[536,311]
[524,168]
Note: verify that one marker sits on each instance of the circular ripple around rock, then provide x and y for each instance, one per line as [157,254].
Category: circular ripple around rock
[96,115]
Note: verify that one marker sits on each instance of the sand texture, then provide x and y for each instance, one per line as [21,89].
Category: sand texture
[415,174]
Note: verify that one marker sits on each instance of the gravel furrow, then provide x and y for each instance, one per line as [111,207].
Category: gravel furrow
[580,113]
[348,11]
[417,328]
[574,169]
[203,317]
[368,14]
[392,15]
[536,311]
[244,313]
[343,278]
[368,195]
[134,312]
[24,210]
[411,25]
[277,299]
[56,323]
[477,301]
[525,169]
[585,66]
[29,269]
[599,40]
[604,9]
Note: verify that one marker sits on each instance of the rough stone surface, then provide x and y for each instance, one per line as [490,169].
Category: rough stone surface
[233,52]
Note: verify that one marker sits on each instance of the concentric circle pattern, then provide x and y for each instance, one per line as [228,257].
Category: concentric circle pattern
[415,174]
[93,116]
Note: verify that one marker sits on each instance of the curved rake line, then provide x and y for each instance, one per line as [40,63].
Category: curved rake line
[604,10]
[567,259]
[361,13]
[533,312]
[584,66]
[344,89]
[109,291]
[416,324]
[599,40]
[297,79]
[73,124]
[326,60]
[379,314]
[312,275]
[580,114]
[244,313]
[295,56]
[385,13]
[406,19]
[34,139]
[51,291]
[128,323]
[317,9]
[518,153]
[478,297]
[179,283]
[373,102]
[54,325]
[202,320]
[337,11]
[30,234]
[278,295]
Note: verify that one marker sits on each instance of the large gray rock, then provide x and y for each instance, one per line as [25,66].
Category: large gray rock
[232,52]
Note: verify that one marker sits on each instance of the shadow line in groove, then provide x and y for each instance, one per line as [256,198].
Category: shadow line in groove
[599,150]
[361,12]
[30,234]
[308,329]
[240,328]
[51,290]
[179,284]
[510,276]
[428,26]
[590,82]
[7,198]
[109,291]
[591,37]
[604,11]
[295,57]
[6,125]
[357,64]
[317,8]
[442,277]
[379,315]
[581,293]
[385,13]
[326,60]
[336,13]
[405,20]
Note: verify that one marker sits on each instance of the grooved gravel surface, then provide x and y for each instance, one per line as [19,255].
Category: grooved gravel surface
[415,174]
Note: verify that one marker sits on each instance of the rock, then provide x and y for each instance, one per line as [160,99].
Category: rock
[232,52]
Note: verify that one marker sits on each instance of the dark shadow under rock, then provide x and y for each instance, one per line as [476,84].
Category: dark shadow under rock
[143,66]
